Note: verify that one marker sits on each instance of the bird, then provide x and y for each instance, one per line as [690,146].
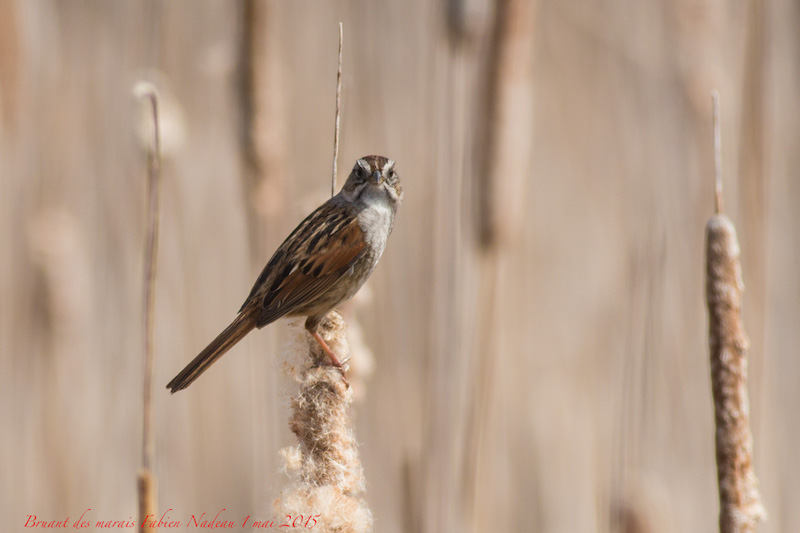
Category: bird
[322,263]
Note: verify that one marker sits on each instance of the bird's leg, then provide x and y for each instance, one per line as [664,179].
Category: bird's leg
[311,327]
[326,348]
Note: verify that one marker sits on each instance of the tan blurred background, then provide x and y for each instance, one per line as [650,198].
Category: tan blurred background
[537,321]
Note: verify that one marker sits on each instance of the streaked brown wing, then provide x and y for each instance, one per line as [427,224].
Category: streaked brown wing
[317,261]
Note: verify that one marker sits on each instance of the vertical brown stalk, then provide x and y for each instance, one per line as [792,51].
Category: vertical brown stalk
[147,483]
[505,129]
[328,481]
[338,113]
[263,121]
[503,138]
[248,87]
[740,501]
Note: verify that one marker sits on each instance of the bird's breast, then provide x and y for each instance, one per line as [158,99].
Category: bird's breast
[376,221]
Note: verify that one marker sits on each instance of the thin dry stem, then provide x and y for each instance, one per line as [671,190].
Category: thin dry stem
[328,482]
[147,490]
[718,204]
[338,112]
[147,482]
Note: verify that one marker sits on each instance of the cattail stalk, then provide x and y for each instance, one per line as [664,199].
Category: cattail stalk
[327,479]
[740,501]
[147,482]
[505,127]
[338,113]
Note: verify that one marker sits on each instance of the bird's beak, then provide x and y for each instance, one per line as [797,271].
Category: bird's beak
[378,177]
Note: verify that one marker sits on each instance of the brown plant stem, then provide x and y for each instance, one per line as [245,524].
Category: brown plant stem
[740,501]
[338,113]
[147,492]
[718,200]
[504,130]
[264,123]
[147,482]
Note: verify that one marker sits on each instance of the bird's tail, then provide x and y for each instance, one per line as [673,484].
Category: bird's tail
[240,327]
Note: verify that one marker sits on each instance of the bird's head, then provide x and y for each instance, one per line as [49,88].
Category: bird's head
[373,177]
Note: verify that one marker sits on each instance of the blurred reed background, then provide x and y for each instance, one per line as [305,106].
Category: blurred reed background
[537,321]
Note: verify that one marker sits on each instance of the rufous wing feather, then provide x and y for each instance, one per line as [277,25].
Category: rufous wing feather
[324,265]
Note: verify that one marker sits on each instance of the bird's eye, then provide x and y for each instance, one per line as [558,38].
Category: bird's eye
[361,172]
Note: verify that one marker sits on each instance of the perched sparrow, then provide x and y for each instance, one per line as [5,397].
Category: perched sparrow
[322,263]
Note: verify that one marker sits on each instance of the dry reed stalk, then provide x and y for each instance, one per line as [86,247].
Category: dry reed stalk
[248,88]
[506,128]
[328,481]
[740,501]
[338,113]
[264,119]
[147,483]
[147,492]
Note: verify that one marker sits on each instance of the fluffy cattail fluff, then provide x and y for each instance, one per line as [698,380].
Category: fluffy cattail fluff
[740,502]
[327,478]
